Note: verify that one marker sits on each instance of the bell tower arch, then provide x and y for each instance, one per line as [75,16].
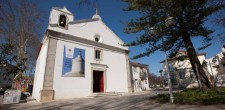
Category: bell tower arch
[62,20]
[60,17]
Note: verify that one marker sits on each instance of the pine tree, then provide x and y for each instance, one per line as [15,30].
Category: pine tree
[190,16]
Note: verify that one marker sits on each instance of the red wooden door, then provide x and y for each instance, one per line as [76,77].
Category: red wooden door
[102,83]
[98,81]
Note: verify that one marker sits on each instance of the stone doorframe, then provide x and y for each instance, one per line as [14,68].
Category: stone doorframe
[99,67]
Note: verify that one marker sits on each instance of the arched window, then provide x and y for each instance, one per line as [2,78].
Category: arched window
[62,21]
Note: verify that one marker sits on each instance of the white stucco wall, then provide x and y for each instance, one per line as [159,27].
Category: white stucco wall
[68,87]
[97,27]
[211,69]
[135,72]
[39,70]
[116,71]
[88,30]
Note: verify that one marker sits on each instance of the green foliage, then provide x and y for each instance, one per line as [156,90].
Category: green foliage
[205,46]
[162,98]
[6,54]
[7,57]
[190,16]
[195,97]
[155,80]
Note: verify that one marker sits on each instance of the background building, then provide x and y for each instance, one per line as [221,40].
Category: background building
[181,72]
[139,76]
[216,68]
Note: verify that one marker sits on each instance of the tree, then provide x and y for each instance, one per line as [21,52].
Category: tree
[155,80]
[190,16]
[20,26]
[7,57]
[221,22]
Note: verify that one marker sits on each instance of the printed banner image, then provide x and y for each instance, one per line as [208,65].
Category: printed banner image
[73,62]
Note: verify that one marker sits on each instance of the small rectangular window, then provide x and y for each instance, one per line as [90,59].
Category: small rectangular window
[97,54]
[182,74]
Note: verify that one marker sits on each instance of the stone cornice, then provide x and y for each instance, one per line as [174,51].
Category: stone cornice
[58,35]
[99,65]
[83,21]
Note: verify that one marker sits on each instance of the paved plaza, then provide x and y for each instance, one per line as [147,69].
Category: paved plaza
[129,101]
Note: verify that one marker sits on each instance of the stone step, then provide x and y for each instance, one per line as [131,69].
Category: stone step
[105,94]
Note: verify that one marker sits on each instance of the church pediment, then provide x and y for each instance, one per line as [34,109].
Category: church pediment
[93,29]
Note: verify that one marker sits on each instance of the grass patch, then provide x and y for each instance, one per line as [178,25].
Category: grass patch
[195,97]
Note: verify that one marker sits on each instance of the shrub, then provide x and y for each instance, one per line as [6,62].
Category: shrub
[195,97]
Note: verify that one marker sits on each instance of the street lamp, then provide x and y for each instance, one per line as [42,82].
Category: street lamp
[170,21]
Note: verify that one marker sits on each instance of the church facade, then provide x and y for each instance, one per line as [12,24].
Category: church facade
[78,58]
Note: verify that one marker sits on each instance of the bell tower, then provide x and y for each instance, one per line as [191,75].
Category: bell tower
[60,17]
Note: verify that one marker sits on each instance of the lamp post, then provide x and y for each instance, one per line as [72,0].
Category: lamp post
[170,21]
[211,70]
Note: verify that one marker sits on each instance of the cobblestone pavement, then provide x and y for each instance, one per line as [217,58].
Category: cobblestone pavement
[129,101]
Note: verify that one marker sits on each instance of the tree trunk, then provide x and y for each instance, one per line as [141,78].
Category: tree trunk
[193,57]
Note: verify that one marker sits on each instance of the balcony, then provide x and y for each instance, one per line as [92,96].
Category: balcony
[143,75]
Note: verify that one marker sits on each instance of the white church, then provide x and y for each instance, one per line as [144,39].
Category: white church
[78,58]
